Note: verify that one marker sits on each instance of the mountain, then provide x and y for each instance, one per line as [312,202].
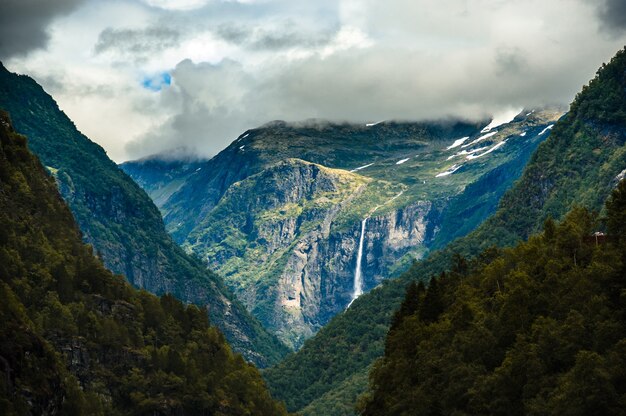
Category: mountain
[160,176]
[77,340]
[121,222]
[536,329]
[579,164]
[300,218]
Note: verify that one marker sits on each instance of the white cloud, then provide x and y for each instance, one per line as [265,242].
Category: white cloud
[235,65]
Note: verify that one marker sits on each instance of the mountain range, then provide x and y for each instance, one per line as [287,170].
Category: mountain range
[292,214]
[445,267]
[121,222]
[76,339]
[579,164]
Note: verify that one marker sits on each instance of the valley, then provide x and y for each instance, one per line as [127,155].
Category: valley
[298,218]
[337,208]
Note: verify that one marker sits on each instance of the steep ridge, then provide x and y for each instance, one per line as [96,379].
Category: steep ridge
[161,176]
[77,340]
[579,163]
[290,252]
[121,222]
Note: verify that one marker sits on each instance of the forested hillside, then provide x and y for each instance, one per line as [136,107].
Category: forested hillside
[580,163]
[121,222]
[537,329]
[77,340]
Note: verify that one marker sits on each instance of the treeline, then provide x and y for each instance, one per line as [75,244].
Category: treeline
[538,329]
[76,339]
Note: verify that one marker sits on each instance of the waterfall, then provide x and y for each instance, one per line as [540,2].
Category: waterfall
[358,277]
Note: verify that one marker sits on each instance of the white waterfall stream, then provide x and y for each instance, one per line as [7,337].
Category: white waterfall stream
[358,276]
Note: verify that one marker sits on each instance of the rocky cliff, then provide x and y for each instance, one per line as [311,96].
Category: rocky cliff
[279,213]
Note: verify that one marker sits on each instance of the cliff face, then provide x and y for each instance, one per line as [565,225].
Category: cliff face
[579,164]
[317,280]
[279,212]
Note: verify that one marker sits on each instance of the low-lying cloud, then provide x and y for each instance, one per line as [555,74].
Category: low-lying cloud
[142,77]
[494,65]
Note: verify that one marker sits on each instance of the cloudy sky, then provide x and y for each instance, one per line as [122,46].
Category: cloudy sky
[147,76]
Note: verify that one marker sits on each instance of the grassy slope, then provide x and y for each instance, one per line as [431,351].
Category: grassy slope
[576,165]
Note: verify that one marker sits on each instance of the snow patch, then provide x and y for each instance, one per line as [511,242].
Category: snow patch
[467,152]
[241,147]
[473,156]
[523,134]
[362,167]
[450,171]
[546,129]
[373,124]
[502,118]
[399,162]
[198,169]
[457,143]
[481,138]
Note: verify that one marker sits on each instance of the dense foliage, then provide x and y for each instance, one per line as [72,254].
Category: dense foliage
[537,329]
[121,222]
[76,339]
[577,164]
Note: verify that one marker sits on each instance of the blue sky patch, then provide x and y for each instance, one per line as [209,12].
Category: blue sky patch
[156,82]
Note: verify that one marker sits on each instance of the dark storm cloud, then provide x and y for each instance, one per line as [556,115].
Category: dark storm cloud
[24,23]
[136,43]
[283,36]
[613,15]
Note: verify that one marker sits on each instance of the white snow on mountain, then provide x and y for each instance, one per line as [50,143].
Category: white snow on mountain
[546,129]
[474,156]
[450,171]
[457,143]
[362,167]
[500,119]
[480,139]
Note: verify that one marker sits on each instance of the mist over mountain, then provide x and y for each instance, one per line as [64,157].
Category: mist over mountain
[578,165]
[330,208]
[300,218]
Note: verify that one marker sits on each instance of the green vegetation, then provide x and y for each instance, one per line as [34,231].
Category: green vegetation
[235,212]
[77,340]
[577,164]
[536,329]
[121,222]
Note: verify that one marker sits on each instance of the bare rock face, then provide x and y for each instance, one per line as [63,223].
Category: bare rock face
[279,212]
[293,260]
[317,281]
